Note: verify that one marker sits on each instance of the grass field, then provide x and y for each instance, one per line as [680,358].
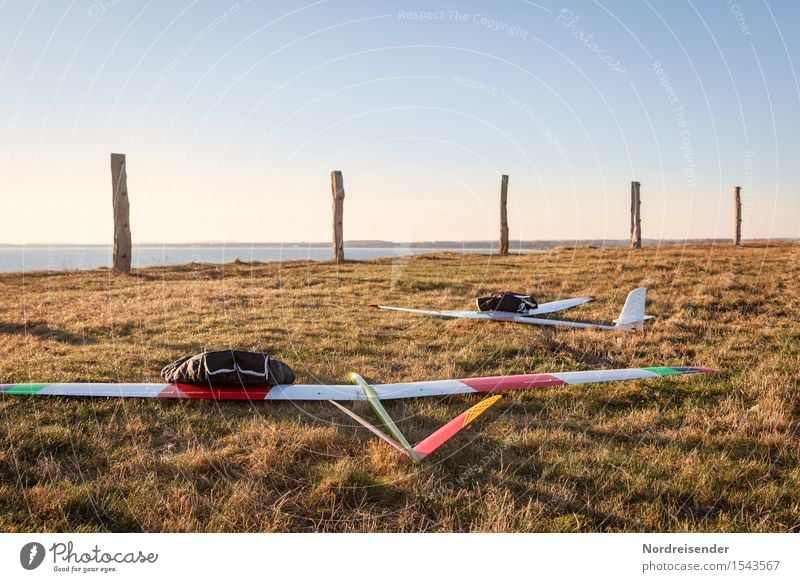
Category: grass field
[718,452]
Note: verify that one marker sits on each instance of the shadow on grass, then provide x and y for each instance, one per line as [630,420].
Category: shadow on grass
[688,507]
[564,511]
[45,332]
[737,448]
[557,346]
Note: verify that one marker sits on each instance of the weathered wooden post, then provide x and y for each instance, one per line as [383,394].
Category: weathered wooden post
[337,191]
[122,226]
[503,250]
[737,204]
[636,216]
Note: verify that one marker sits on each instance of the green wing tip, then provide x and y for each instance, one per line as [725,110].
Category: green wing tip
[663,371]
[674,371]
[20,389]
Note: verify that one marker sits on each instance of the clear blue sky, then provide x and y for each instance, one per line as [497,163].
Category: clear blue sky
[233,115]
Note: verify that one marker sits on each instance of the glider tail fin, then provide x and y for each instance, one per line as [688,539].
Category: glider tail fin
[397,440]
[438,438]
[373,429]
[387,421]
[632,317]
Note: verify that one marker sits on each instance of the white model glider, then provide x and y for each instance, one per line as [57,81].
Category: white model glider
[631,318]
[492,386]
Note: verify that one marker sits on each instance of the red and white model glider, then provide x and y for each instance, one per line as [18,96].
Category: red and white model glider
[492,386]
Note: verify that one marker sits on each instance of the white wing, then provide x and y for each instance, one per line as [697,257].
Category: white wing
[559,305]
[344,392]
[564,323]
[498,315]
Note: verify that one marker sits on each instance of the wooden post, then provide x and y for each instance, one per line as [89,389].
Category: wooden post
[503,250]
[636,216]
[737,204]
[122,226]
[337,191]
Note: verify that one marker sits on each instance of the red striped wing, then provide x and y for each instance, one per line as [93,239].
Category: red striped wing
[441,436]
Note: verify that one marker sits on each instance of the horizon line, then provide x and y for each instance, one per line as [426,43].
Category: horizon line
[403,244]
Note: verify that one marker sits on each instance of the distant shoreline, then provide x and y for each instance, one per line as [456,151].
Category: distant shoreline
[16,259]
[380,244]
[60,257]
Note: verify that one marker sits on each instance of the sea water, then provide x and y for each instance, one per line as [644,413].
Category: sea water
[59,258]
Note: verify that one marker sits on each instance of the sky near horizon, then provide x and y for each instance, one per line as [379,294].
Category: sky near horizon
[233,114]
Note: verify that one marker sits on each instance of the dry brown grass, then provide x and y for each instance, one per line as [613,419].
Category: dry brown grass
[713,453]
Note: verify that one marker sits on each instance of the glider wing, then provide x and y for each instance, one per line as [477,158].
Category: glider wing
[564,323]
[346,392]
[461,314]
[559,305]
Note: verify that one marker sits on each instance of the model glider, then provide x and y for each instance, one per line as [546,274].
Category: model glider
[631,318]
[360,390]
